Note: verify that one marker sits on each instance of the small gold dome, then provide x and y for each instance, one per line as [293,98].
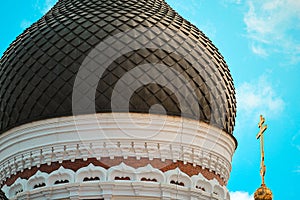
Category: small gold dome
[263,193]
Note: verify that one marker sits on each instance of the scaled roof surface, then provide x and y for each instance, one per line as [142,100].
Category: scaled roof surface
[147,50]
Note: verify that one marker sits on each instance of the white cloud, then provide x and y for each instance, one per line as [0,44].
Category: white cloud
[48,4]
[228,2]
[44,5]
[275,26]
[257,49]
[296,142]
[25,24]
[208,28]
[41,6]
[240,195]
[258,97]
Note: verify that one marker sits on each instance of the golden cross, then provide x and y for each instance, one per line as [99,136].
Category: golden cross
[263,127]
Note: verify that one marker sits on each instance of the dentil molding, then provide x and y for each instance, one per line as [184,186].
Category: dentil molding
[112,135]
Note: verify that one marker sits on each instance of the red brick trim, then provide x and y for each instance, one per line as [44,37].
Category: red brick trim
[106,163]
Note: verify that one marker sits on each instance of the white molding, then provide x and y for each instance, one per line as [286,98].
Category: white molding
[117,190]
[150,173]
[200,182]
[113,135]
[219,191]
[18,187]
[121,171]
[77,189]
[177,176]
[91,171]
[38,179]
[61,174]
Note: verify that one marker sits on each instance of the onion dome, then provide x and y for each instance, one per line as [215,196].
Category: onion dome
[263,193]
[39,72]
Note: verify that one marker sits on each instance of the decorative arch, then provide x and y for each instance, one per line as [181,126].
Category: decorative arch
[90,173]
[201,183]
[18,187]
[150,174]
[37,181]
[61,176]
[177,177]
[121,172]
[218,190]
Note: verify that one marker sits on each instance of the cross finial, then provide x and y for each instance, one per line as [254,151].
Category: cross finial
[262,128]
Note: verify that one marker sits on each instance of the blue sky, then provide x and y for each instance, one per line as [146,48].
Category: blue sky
[260,40]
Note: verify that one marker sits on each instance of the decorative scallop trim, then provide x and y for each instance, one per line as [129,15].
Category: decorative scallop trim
[201,183]
[90,173]
[48,155]
[60,176]
[177,177]
[63,177]
[36,181]
[149,173]
[121,172]
[18,187]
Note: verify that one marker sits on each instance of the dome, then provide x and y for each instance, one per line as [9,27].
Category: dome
[263,193]
[174,68]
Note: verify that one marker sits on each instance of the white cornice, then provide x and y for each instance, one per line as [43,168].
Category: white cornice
[114,135]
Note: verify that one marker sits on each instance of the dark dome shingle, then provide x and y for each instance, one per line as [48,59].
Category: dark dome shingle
[39,69]
[2,196]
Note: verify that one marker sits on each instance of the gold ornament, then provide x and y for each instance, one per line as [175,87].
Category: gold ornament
[263,193]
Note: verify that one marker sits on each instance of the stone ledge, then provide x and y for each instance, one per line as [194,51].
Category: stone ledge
[64,139]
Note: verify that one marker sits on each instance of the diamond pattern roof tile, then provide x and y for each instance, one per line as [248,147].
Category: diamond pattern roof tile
[38,70]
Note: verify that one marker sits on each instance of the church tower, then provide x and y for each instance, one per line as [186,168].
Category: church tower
[115,99]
